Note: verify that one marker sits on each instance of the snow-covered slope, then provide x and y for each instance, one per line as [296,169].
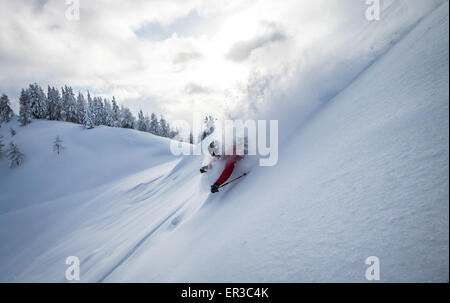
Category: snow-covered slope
[366,176]
[91,158]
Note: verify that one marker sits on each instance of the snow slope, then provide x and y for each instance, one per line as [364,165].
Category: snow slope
[366,176]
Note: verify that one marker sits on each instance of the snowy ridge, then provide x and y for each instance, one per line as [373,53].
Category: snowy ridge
[367,175]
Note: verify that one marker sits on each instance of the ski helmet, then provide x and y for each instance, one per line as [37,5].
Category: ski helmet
[213,149]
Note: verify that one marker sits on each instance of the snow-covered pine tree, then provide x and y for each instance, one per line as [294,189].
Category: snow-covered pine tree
[63,104]
[91,113]
[38,101]
[94,113]
[80,108]
[53,104]
[25,108]
[6,111]
[164,127]
[115,113]
[99,111]
[147,122]
[109,121]
[103,111]
[73,105]
[57,145]
[141,123]
[127,120]
[154,124]
[14,155]
[88,121]
[68,105]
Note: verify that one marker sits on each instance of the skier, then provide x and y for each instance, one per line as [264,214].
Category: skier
[230,162]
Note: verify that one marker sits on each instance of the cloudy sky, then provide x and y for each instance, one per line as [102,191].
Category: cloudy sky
[168,56]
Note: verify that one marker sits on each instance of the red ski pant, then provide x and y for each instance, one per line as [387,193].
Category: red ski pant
[227,171]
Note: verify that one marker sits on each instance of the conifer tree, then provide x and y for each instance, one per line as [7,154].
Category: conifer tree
[14,155]
[163,127]
[141,123]
[91,113]
[38,101]
[127,120]
[99,112]
[109,120]
[25,108]
[53,104]
[115,113]
[68,105]
[88,123]
[154,124]
[80,108]
[6,111]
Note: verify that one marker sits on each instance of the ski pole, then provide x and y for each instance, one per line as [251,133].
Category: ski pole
[244,174]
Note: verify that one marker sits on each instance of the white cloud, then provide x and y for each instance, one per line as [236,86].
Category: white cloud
[172,56]
[241,50]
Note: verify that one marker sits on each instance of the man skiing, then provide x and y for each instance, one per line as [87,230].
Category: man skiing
[230,162]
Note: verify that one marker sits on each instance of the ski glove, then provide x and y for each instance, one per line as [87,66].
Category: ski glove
[215,188]
[204,169]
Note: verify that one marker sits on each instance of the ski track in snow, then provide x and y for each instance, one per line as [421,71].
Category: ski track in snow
[181,212]
[135,247]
